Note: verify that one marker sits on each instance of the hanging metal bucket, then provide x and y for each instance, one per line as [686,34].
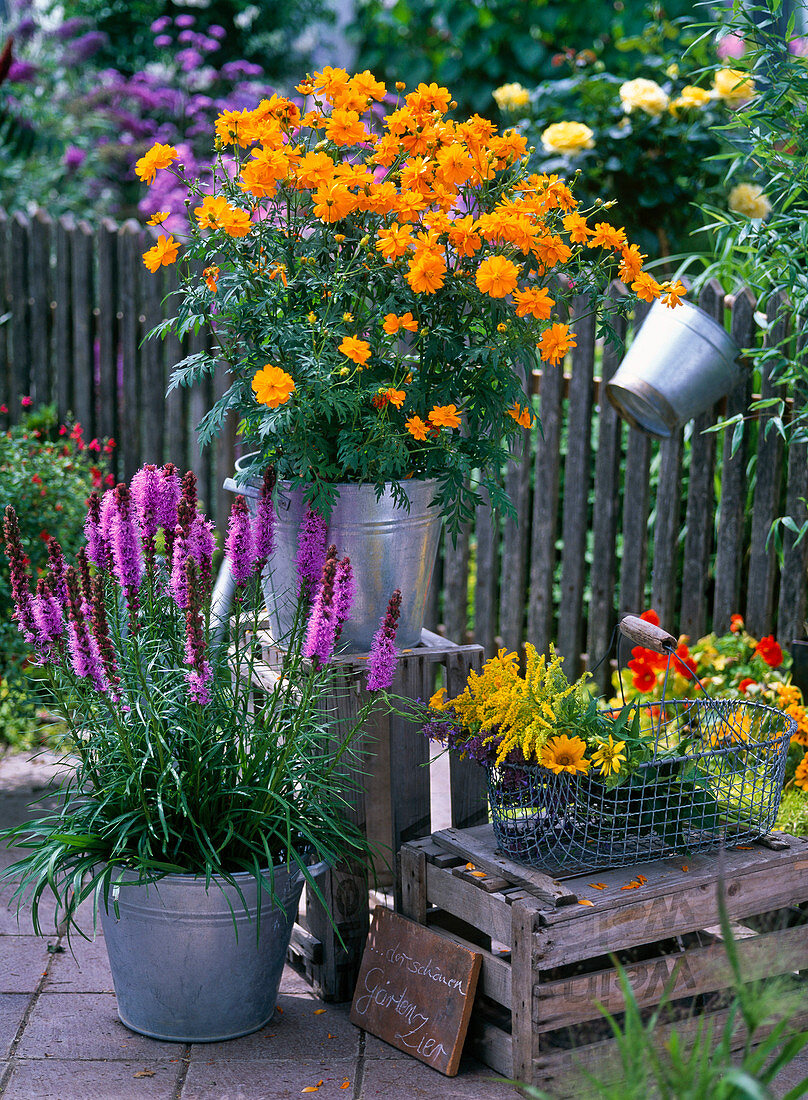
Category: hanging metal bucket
[680,363]
[186,963]
[389,546]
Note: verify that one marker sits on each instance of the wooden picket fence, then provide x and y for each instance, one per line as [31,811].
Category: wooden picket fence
[609,520]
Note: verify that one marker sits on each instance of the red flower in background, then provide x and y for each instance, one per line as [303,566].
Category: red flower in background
[642,675]
[736,623]
[683,653]
[650,616]
[770,651]
[744,684]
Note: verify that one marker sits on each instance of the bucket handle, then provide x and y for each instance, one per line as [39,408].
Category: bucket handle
[646,634]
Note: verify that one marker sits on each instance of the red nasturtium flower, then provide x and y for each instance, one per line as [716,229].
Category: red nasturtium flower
[650,616]
[643,676]
[683,653]
[736,623]
[770,651]
[745,683]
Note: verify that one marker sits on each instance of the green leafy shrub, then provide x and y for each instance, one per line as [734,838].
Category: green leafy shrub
[47,470]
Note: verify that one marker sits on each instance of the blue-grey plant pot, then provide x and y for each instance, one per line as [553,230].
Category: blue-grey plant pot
[187,964]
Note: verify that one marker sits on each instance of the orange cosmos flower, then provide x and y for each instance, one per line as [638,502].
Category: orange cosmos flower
[417,428]
[673,293]
[162,254]
[314,169]
[497,276]
[631,263]
[160,216]
[390,396]
[394,241]
[217,213]
[367,84]
[332,202]
[606,236]
[429,97]
[235,127]
[355,349]
[211,274]
[444,416]
[272,386]
[426,273]
[463,237]
[534,301]
[345,128]
[277,270]
[646,287]
[454,164]
[575,225]
[555,342]
[521,416]
[159,156]
[392,323]
[332,81]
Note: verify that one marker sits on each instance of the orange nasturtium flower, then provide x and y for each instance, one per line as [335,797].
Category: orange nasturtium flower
[159,156]
[272,386]
[417,428]
[521,416]
[211,274]
[444,416]
[162,254]
[158,217]
[497,276]
[392,323]
[555,342]
[356,349]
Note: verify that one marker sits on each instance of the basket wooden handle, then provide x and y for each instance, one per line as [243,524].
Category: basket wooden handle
[647,635]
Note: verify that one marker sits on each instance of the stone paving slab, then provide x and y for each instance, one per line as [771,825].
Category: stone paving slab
[223,1080]
[23,961]
[384,1077]
[57,1079]
[83,967]
[13,1007]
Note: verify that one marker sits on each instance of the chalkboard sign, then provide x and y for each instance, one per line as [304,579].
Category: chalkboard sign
[415,990]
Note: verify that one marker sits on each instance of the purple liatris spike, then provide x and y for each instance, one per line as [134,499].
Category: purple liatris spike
[264,522]
[239,547]
[127,559]
[108,512]
[84,655]
[49,619]
[170,490]
[57,567]
[146,492]
[199,674]
[344,591]
[100,629]
[179,558]
[97,549]
[320,632]
[19,577]
[201,545]
[310,551]
[383,657]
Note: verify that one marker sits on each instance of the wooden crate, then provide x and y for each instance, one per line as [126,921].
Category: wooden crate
[391,803]
[536,1019]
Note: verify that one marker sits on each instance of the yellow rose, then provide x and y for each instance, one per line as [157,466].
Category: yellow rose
[569,138]
[691,96]
[733,85]
[645,94]
[749,199]
[510,97]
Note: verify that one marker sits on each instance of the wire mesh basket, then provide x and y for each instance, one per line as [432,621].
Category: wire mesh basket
[723,787]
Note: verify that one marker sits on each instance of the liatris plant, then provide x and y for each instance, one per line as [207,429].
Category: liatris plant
[179,768]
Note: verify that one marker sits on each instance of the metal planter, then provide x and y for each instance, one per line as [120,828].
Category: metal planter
[389,546]
[680,363]
[186,962]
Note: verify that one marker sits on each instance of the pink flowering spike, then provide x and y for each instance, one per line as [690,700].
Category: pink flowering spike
[199,675]
[239,548]
[320,632]
[97,550]
[145,487]
[100,630]
[310,551]
[264,523]
[48,615]
[383,657]
[201,545]
[108,511]
[344,591]
[179,557]
[170,491]
[19,578]
[84,655]
[127,559]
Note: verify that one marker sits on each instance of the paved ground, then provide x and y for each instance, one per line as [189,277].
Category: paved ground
[60,1037]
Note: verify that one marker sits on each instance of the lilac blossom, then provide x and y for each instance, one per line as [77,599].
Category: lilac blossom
[71,27]
[239,546]
[21,72]
[311,541]
[344,591]
[185,20]
[217,31]
[320,633]
[162,41]
[383,657]
[83,48]
[264,523]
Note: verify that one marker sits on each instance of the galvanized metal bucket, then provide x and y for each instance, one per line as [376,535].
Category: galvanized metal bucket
[680,363]
[186,963]
[389,546]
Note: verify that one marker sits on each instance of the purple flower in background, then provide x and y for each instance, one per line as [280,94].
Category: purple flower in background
[83,48]
[188,60]
[71,27]
[319,644]
[199,675]
[344,591]
[730,45]
[163,40]
[217,31]
[383,657]
[185,20]
[310,551]
[239,547]
[74,157]
[100,629]
[798,47]
[234,70]
[264,522]
[57,569]
[26,29]
[200,547]
[170,492]
[21,72]
[160,24]
[208,45]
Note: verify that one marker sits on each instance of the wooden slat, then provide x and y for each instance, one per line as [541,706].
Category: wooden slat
[223,454]
[412,877]
[490,1044]
[515,546]
[667,524]
[575,522]
[486,583]
[106,244]
[130,250]
[456,584]
[5,306]
[467,780]
[152,370]
[700,499]
[524,919]
[199,403]
[82,301]
[176,422]
[39,307]
[495,973]
[602,613]
[792,598]
[544,526]
[409,757]
[631,597]
[19,328]
[759,613]
[63,314]
[732,508]
[486,912]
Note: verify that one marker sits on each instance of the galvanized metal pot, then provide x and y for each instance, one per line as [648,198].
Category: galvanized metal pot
[680,363]
[389,546]
[186,963]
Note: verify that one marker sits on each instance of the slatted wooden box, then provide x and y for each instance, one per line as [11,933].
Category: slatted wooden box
[391,802]
[535,1018]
